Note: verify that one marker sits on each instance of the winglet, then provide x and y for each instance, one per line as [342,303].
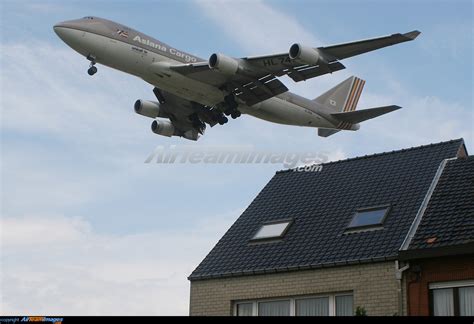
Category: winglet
[412,35]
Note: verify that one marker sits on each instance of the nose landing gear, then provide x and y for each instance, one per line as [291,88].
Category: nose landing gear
[92,69]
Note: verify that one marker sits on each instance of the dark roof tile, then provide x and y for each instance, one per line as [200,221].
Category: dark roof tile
[449,216]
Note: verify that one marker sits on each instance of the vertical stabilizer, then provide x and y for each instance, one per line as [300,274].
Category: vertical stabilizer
[343,97]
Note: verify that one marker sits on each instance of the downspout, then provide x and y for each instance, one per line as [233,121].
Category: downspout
[398,276]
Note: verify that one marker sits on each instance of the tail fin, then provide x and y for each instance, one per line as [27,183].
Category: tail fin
[343,97]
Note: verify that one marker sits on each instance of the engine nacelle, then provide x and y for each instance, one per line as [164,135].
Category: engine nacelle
[162,127]
[192,135]
[224,64]
[148,108]
[305,54]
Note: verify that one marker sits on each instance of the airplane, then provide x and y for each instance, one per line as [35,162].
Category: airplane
[192,92]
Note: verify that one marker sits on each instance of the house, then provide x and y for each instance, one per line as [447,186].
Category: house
[325,243]
[440,280]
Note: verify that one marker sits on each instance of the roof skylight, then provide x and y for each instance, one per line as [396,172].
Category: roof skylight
[369,217]
[272,230]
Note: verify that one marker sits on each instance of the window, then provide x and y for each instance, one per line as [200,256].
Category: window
[466,301]
[443,302]
[324,305]
[344,305]
[274,308]
[318,306]
[244,309]
[369,217]
[452,298]
[272,230]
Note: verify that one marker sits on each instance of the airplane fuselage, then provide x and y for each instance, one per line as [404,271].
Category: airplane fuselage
[130,51]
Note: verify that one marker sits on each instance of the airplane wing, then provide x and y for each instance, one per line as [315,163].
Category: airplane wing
[342,51]
[255,80]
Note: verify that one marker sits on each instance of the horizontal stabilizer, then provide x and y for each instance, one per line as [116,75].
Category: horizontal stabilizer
[358,116]
[325,132]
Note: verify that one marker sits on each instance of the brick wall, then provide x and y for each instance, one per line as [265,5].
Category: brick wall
[434,270]
[373,285]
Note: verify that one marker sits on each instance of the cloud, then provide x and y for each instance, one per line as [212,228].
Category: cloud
[256,26]
[43,8]
[449,40]
[423,119]
[59,265]
[35,93]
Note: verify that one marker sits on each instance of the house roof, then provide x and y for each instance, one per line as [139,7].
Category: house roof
[448,220]
[321,205]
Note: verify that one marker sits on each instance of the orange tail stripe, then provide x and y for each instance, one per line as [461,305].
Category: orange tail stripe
[351,94]
[359,92]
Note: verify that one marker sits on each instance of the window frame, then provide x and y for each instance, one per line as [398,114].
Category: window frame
[293,299]
[454,285]
[352,229]
[289,222]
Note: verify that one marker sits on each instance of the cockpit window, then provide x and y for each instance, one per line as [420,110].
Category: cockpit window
[88,17]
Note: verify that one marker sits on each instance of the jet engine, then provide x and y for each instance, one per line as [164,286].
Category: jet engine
[192,135]
[224,64]
[305,54]
[162,127]
[148,108]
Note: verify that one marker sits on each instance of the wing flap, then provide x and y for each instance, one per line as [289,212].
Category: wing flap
[308,72]
[260,90]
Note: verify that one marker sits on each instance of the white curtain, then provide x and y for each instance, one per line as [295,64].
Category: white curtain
[344,306]
[244,309]
[312,307]
[274,308]
[443,303]
[466,301]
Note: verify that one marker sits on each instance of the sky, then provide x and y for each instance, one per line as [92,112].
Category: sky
[88,228]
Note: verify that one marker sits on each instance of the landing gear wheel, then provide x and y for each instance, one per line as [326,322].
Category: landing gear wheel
[222,120]
[236,114]
[92,70]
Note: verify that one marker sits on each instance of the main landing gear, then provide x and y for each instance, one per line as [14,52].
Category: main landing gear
[231,107]
[92,68]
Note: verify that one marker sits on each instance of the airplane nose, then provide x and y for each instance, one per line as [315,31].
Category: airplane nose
[71,32]
[63,29]
[68,31]
[59,30]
